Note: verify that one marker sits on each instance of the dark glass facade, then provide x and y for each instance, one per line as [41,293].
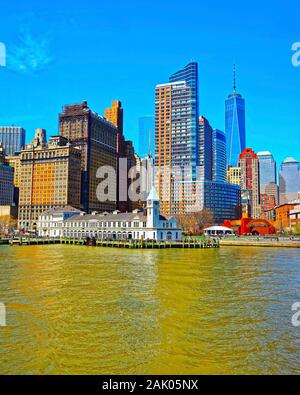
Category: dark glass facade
[12,138]
[219,156]
[205,150]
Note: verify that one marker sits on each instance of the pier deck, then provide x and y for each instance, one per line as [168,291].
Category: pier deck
[136,244]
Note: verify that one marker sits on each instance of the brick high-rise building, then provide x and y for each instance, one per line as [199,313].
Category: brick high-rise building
[97,139]
[126,156]
[50,177]
[249,165]
[114,114]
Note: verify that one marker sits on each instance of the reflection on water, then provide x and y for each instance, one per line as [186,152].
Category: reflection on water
[73,309]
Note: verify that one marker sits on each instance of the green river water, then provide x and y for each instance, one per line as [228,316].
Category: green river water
[84,310]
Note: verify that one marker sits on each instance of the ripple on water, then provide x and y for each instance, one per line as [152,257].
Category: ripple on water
[73,309]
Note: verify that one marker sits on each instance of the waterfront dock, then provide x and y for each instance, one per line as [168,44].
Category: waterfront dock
[279,242]
[134,244]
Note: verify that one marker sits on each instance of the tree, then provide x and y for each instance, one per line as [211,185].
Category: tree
[194,223]
[7,225]
[204,218]
[297,229]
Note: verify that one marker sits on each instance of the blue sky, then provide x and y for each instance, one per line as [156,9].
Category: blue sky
[66,51]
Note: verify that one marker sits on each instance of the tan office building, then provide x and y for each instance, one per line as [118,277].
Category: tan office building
[50,176]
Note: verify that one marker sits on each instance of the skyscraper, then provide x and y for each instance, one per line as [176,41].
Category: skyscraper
[267,181]
[177,137]
[114,114]
[235,127]
[12,138]
[50,177]
[250,179]
[6,181]
[219,156]
[125,156]
[146,136]
[205,150]
[267,169]
[289,180]
[97,139]
[189,74]
[173,143]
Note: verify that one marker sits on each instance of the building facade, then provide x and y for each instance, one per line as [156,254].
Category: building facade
[50,177]
[267,170]
[96,137]
[147,176]
[235,126]
[205,150]
[219,156]
[125,157]
[267,181]
[6,185]
[139,225]
[249,165]
[188,74]
[173,146]
[176,137]
[222,200]
[283,218]
[12,139]
[295,214]
[233,175]
[50,222]
[115,115]
[14,162]
[289,180]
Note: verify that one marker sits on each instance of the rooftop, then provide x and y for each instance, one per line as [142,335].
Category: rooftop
[153,195]
[66,209]
[264,153]
[290,160]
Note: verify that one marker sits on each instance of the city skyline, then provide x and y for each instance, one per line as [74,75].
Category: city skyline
[59,70]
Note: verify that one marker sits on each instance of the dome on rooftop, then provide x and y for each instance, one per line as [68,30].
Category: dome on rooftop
[290,160]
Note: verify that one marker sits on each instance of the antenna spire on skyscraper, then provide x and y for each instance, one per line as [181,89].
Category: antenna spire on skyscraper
[234,78]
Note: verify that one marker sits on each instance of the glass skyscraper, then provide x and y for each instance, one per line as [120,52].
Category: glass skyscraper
[205,150]
[267,170]
[12,138]
[235,126]
[189,74]
[146,136]
[289,180]
[219,156]
[177,138]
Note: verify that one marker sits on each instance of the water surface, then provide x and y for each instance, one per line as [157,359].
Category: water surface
[80,310]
